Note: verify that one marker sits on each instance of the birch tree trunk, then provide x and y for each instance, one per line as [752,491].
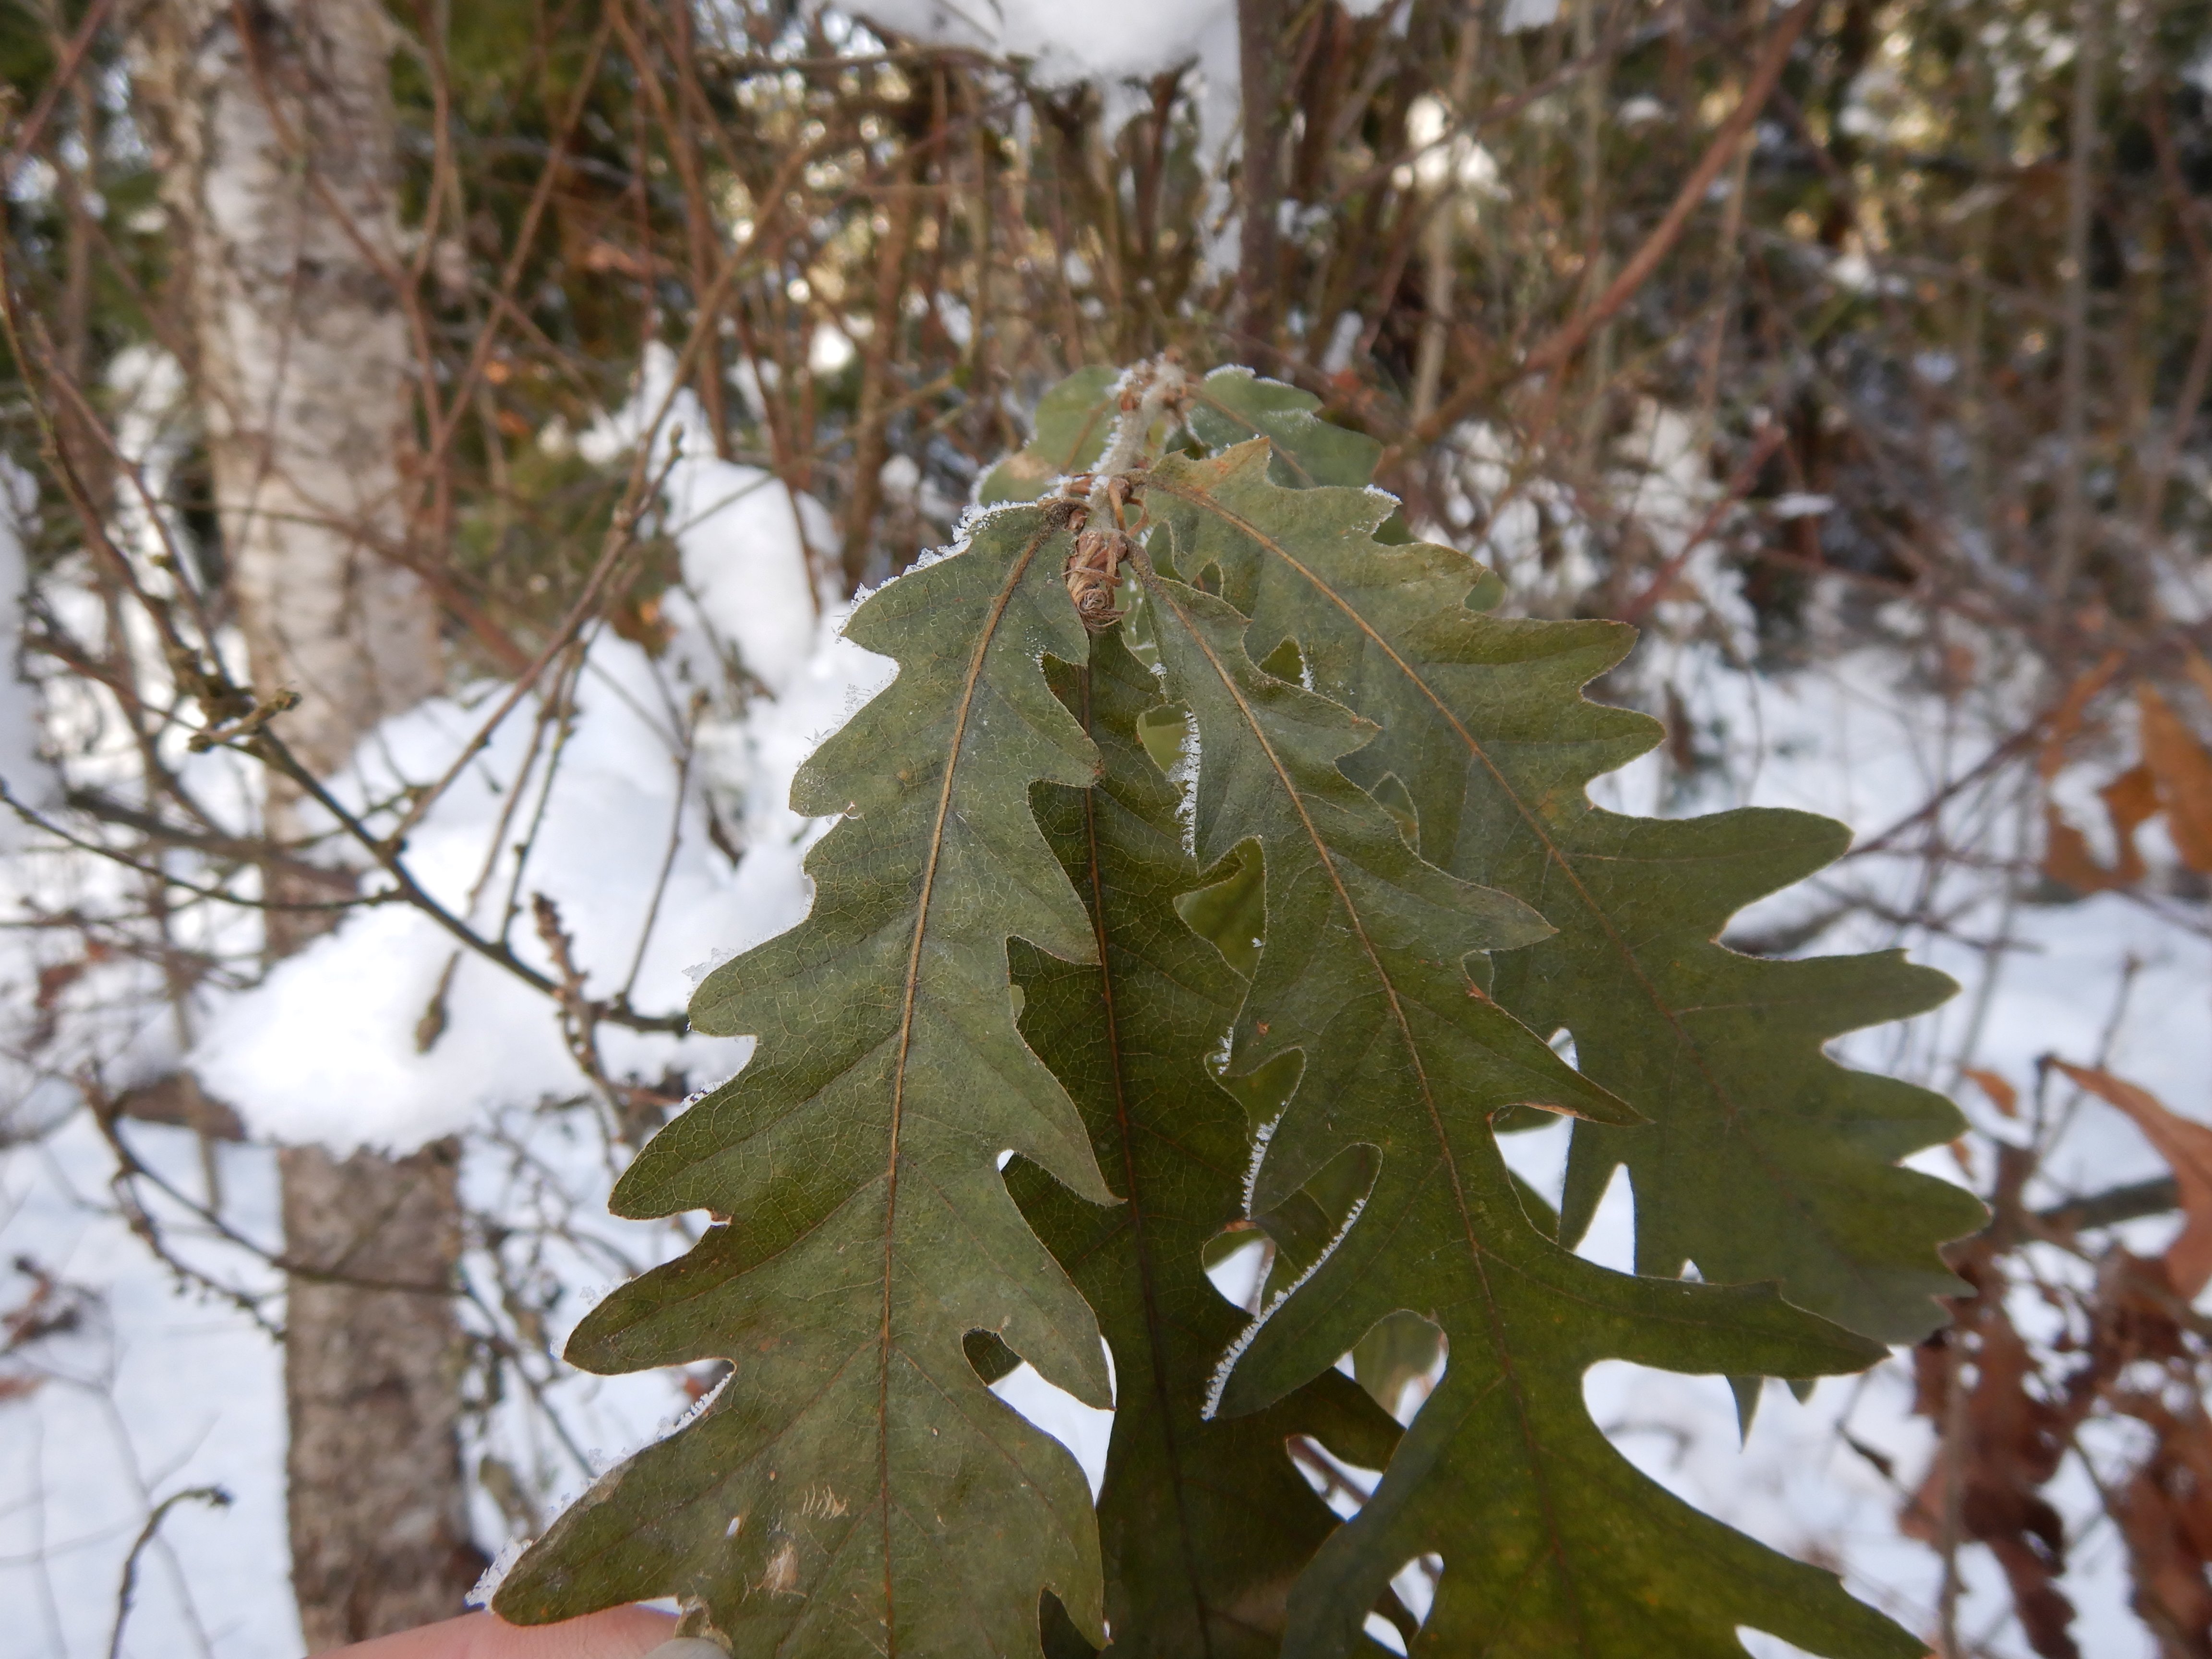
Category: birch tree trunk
[281,162]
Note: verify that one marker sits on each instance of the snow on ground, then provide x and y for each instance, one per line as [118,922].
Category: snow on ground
[156,1389]
[160,1387]
[609,781]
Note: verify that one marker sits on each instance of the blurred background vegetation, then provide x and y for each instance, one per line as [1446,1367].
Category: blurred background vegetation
[1958,261]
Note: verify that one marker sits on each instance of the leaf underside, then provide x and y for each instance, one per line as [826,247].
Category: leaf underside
[854,1487]
[1203,1526]
[1552,1544]
[1764,1159]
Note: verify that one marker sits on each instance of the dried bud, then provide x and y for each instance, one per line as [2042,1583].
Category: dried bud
[1093,569]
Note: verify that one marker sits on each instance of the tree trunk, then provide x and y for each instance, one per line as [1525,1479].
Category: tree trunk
[372,1379]
[1259,54]
[281,157]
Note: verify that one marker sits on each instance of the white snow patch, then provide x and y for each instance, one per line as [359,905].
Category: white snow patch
[1797,504]
[744,536]
[152,1393]
[1539,1157]
[327,1048]
[1113,44]
[1524,15]
[1610,1239]
[387,1032]
[29,781]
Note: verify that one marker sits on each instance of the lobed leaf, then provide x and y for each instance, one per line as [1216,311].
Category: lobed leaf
[1764,1159]
[854,1487]
[1233,405]
[1552,1544]
[1073,421]
[1203,1526]
[1228,406]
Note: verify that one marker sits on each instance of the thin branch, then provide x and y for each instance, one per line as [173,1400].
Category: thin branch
[213,1496]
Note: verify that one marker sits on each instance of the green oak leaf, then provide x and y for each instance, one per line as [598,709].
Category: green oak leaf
[1764,1159]
[1552,1544]
[1226,407]
[1073,421]
[1231,913]
[1233,405]
[1203,1526]
[854,1487]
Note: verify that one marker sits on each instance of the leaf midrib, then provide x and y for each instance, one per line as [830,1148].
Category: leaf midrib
[1154,1326]
[1016,571]
[1477,1254]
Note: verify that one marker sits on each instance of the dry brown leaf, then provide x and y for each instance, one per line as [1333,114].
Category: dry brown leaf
[2067,859]
[2186,1146]
[2170,1594]
[2130,799]
[2182,767]
[2164,1513]
[2065,722]
[2001,1094]
[2197,669]
[1985,1486]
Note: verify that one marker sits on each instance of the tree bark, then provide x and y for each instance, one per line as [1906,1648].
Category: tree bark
[281,161]
[1259,275]
[371,1380]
